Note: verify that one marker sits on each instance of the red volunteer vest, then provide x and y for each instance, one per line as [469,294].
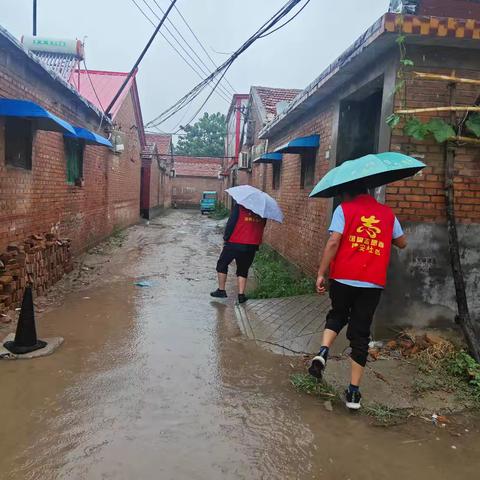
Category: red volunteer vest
[249,228]
[364,252]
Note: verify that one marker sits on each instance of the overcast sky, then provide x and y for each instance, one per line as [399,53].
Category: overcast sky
[116,32]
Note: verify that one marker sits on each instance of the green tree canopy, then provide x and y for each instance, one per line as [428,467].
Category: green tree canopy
[205,138]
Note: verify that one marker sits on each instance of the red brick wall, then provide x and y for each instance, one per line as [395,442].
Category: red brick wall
[302,235]
[421,199]
[187,191]
[40,200]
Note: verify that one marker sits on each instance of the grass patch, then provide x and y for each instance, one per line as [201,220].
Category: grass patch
[458,372]
[385,415]
[276,278]
[305,383]
[220,212]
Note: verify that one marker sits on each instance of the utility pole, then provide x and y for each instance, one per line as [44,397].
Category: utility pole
[34,18]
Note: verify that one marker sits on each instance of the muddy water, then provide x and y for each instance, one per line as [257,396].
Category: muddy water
[158,383]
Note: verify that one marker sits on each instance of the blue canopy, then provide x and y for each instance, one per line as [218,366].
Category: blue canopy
[90,137]
[270,157]
[41,118]
[298,145]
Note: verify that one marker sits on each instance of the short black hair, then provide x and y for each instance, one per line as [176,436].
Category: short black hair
[355,189]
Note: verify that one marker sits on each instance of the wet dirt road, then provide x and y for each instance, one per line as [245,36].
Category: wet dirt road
[158,383]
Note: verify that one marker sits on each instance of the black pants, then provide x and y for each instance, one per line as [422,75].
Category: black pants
[243,258]
[354,306]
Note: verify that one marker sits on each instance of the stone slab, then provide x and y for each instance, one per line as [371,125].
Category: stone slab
[52,345]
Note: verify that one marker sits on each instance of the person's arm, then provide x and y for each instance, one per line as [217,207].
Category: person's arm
[331,249]
[336,229]
[399,238]
[232,222]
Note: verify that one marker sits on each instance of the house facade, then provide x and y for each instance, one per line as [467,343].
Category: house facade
[342,115]
[157,169]
[192,177]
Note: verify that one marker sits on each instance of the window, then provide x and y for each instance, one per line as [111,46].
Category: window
[18,143]
[307,168]
[276,172]
[74,157]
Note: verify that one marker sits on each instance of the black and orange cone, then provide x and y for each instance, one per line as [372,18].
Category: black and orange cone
[26,340]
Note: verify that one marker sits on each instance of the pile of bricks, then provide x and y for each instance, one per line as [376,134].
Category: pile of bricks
[41,260]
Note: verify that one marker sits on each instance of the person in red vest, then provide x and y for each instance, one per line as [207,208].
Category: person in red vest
[243,236]
[362,233]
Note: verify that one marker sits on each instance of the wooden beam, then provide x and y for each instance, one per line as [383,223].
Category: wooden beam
[438,109]
[461,139]
[446,78]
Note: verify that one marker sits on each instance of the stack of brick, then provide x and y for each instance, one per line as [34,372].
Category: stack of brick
[41,260]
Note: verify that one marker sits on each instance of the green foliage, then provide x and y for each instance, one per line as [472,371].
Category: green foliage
[276,278]
[393,120]
[437,127]
[303,382]
[385,415]
[416,128]
[473,124]
[220,212]
[406,62]
[205,138]
[440,129]
[464,367]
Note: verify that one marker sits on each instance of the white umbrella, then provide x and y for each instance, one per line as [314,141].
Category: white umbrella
[257,201]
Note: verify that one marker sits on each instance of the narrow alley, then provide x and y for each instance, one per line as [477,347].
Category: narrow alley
[158,382]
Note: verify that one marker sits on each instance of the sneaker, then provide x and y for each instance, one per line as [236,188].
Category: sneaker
[318,364]
[219,293]
[242,298]
[352,399]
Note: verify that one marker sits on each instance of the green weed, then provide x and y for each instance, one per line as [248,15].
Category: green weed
[220,212]
[385,415]
[276,278]
[307,384]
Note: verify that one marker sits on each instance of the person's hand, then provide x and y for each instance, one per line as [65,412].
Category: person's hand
[321,289]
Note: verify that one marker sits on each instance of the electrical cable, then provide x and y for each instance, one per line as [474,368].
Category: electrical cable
[266,27]
[203,68]
[95,93]
[140,58]
[283,24]
[188,44]
[226,99]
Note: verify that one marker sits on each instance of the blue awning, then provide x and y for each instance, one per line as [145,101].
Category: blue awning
[90,137]
[298,145]
[269,158]
[42,119]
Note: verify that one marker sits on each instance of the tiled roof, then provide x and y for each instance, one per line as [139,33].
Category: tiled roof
[105,86]
[162,140]
[197,166]
[270,97]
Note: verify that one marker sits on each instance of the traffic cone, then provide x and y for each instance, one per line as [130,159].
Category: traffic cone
[26,335]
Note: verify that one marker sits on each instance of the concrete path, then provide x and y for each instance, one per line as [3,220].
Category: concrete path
[285,325]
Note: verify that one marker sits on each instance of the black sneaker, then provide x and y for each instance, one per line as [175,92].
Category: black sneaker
[242,298]
[318,364]
[352,399]
[219,293]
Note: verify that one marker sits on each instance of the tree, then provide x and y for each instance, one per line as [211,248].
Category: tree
[205,138]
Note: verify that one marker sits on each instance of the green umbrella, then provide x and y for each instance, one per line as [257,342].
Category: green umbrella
[369,171]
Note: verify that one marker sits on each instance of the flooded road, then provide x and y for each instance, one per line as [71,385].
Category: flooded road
[158,383]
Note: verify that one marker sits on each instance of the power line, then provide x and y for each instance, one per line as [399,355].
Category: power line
[283,24]
[188,44]
[201,45]
[226,99]
[203,68]
[140,58]
[190,96]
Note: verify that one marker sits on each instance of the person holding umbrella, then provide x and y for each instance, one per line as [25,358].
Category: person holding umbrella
[243,235]
[357,254]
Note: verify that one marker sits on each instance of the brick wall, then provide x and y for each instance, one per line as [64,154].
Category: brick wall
[302,235]
[187,191]
[40,200]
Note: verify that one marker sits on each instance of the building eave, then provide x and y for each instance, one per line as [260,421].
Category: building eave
[377,40]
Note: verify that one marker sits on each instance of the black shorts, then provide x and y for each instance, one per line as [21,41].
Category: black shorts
[243,258]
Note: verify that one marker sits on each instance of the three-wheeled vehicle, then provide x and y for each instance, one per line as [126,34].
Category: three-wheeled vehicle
[208,202]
